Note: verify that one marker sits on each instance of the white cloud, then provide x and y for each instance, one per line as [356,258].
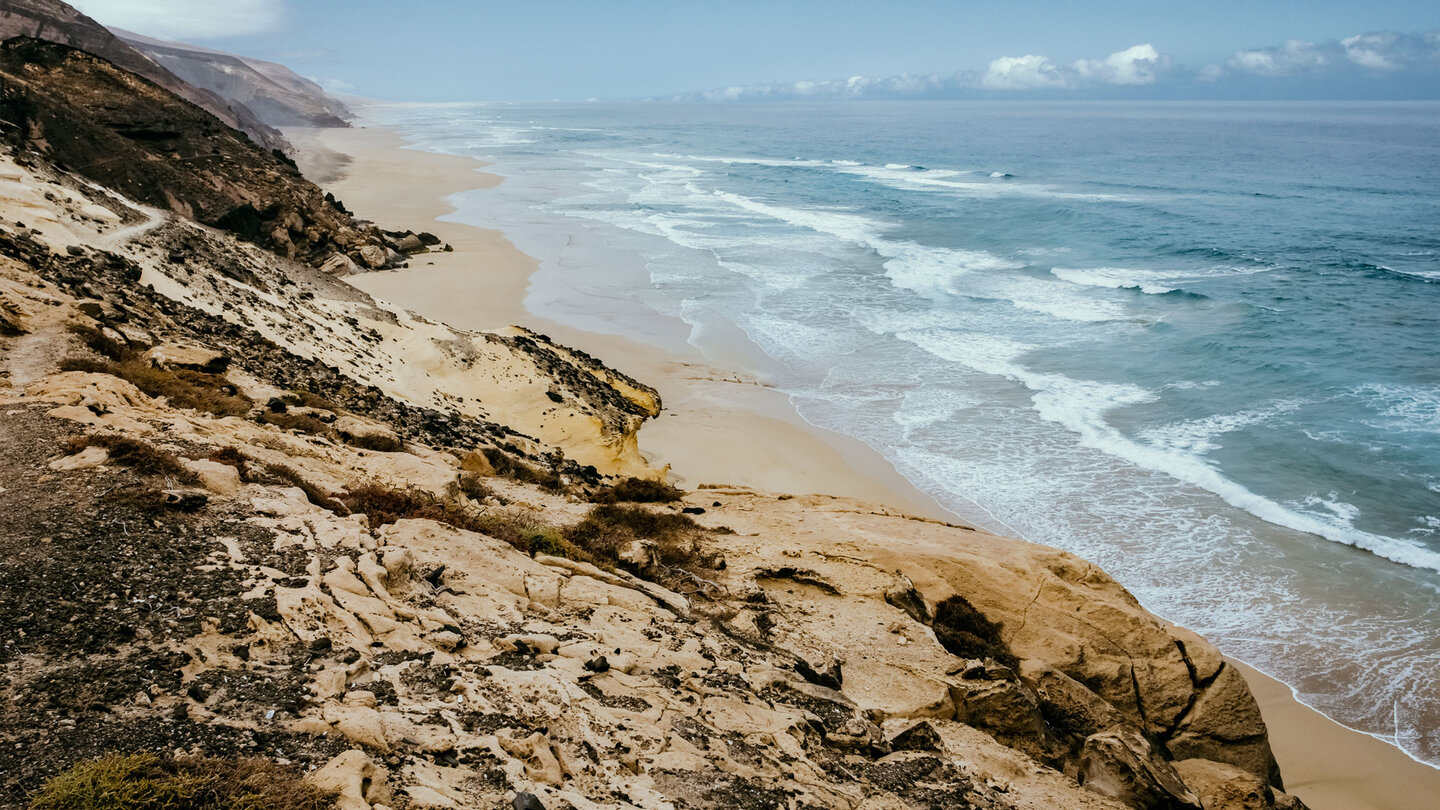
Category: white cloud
[1383,62]
[1136,65]
[186,19]
[1373,52]
[1027,72]
[1295,56]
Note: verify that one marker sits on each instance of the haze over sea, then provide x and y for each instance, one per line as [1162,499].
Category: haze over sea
[1195,343]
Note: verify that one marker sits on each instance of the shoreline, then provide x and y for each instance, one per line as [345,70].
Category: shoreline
[708,409]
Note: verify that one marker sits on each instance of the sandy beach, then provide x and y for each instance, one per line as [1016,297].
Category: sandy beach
[723,427]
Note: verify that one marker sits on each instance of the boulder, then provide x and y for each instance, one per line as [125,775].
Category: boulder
[92,456]
[169,355]
[1225,725]
[339,265]
[355,780]
[1068,706]
[373,256]
[410,243]
[1226,787]
[221,479]
[1121,764]
[1006,709]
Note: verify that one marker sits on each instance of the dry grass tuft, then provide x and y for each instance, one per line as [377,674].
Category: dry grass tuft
[148,782]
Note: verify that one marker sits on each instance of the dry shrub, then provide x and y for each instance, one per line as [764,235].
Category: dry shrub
[504,464]
[608,529]
[379,442]
[965,632]
[137,454]
[148,782]
[473,485]
[183,388]
[233,457]
[637,490]
[302,422]
[383,505]
[310,399]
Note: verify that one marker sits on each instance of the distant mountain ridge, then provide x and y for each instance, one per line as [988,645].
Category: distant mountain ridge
[275,93]
[58,22]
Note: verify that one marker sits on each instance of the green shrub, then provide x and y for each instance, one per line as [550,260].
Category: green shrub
[148,782]
[965,632]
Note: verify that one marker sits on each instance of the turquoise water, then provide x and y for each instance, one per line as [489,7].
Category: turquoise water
[1198,344]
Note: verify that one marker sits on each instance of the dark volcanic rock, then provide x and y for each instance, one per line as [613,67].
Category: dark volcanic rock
[58,22]
[131,135]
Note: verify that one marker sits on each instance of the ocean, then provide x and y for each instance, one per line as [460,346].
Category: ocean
[1195,343]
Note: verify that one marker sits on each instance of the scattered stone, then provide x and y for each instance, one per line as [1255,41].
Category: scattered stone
[919,737]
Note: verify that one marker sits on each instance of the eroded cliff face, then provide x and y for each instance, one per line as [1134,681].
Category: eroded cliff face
[273,92]
[61,23]
[195,568]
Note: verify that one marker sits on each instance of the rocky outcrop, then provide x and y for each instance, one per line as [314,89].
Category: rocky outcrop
[58,22]
[276,94]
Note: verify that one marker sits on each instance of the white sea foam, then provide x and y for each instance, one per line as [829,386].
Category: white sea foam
[1409,408]
[936,272]
[1115,278]
[1197,436]
[943,180]
[1081,406]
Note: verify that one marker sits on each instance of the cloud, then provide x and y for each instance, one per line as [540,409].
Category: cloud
[1134,66]
[187,19]
[1376,64]
[906,85]
[1295,56]
[1022,73]
[1374,52]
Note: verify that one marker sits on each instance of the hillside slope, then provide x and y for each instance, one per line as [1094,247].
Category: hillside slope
[275,93]
[58,22]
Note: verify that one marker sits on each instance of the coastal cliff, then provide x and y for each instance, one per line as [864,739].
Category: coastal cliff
[250,511]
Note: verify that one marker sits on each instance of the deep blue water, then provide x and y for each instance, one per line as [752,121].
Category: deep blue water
[1198,344]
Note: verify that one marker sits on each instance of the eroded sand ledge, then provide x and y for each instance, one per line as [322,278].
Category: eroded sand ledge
[1329,766]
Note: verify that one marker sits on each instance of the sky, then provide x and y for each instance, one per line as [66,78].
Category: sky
[574,50]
